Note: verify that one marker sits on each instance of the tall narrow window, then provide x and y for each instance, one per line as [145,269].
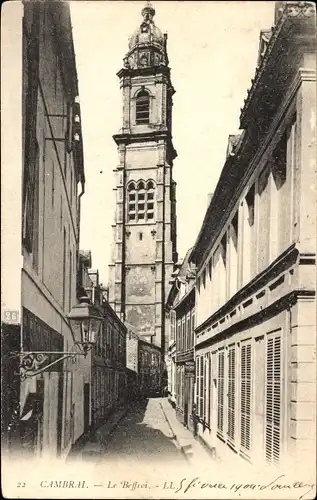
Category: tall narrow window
[142,108]
[183,334]
[222,270]
[221,390]
[264,219]
[202,387]
[178,336]
[209,395]
[193,329]
[150,200]
[231,392]
[197,383]
[189,333]
[249,243]
[131,202]
[273,399]
[233,272]
[141,201]
[245,422]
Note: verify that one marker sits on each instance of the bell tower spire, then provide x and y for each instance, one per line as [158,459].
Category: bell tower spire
[144,249]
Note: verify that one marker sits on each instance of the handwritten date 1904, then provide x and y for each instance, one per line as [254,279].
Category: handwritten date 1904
[303,488]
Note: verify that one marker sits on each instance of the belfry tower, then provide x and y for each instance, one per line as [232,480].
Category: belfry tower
[144,250]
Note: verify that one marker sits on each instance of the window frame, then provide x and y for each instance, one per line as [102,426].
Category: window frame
[142,108]
[141,202]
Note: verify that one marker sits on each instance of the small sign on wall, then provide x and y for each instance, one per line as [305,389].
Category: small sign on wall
[11,317]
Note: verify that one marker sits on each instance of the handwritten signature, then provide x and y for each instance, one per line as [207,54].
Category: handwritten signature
[186,485]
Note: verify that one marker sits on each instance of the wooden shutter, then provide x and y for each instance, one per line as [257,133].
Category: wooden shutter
[231,392]
[209,392]
[201,388]
[221,387]
[197,384]
[246,397]
[273,399]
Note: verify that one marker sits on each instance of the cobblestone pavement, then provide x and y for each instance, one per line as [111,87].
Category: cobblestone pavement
[149,433]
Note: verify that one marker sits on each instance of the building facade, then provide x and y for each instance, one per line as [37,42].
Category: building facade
[108,360]
[51,412]
[107,388]
[181,308]
[255,259]
[144,366]
[144,233]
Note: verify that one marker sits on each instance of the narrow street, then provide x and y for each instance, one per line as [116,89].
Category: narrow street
[148,433]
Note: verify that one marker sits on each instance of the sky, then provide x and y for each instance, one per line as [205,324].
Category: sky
[212,48]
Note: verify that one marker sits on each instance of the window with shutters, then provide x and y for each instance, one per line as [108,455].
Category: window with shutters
[183,334]
[202,387]
[173,325]
[178,335]
[221,390]
[193,329]
[273,399]
[209,392]
[197,383]
[245,397]
[231,432]
[188,333]
[142,107]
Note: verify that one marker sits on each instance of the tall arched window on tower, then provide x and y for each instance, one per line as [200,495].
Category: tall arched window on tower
[142,108]
[140,201]
[131,202]
[150,200]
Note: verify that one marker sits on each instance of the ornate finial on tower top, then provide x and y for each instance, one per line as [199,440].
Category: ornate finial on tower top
[148,12]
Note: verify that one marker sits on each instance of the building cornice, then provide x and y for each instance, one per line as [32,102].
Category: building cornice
[291,12]
[162,134]
[239,167]
[150,70]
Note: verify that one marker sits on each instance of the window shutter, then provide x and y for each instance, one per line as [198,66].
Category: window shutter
[201,391]
[221,359]
[245,431]
[197,384]
[273,399]
[231,392]
[209,390]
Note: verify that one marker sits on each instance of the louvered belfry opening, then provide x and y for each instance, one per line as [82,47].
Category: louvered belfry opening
[143,108]
[245,404]
[273,399]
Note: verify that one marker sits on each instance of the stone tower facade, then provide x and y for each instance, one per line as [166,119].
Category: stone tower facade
[144,232]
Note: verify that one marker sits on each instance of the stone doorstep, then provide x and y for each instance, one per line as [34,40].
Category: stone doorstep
[188,445]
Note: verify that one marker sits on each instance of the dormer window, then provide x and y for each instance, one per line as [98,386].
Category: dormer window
[142,110]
